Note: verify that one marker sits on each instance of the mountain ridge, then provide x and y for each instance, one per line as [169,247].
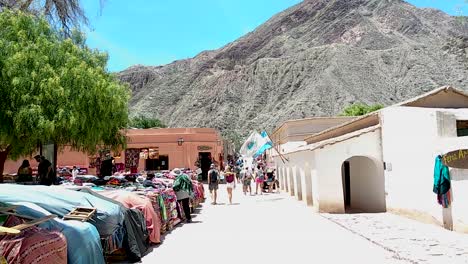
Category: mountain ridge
[312,59]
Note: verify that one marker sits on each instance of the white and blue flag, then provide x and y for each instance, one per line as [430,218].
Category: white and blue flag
[256,145]
[266,144]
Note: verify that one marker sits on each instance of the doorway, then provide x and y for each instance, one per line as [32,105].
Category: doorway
[363,185]
[205,163]
[162,163]
[346,185]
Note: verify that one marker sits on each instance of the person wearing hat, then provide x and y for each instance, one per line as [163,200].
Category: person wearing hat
[213,181]
[184,188]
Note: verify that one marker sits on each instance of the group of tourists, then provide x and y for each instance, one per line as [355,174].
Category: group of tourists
[244,176]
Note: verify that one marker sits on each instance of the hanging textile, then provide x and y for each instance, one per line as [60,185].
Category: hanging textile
[132,157]
[445,199]
[442,183]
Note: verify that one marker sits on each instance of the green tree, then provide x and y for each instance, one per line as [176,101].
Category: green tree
[359,109]
[146,122]
[55,90]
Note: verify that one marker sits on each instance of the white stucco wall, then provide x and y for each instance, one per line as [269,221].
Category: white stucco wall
[412,138]
[303,163]
[328,164]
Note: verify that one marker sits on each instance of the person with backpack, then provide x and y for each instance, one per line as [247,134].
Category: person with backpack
[183,188]
[230,181]
[213,181]
[246,181]
[259,179]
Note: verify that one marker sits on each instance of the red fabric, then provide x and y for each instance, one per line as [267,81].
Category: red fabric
[33,245]
[134,201]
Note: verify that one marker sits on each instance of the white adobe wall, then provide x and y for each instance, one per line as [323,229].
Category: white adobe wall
[412,138]
[328,165]
[299,177]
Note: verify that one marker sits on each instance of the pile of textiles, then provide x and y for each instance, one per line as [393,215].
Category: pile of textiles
[118,226]
[83,241]
[143,204]
[117,181]
[158,204]
[198,193]
[33,245]
[171,208]
[135,232]
[129,216]
[85,179]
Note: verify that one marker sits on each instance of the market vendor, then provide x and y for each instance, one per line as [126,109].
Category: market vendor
[184,189]
[106,166]
[45,171]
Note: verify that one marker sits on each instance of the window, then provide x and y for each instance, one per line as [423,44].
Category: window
[462,128]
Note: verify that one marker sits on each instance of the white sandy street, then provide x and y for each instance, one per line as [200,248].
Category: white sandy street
[273,228]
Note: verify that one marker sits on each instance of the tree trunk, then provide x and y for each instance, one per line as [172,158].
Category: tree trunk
[3,158]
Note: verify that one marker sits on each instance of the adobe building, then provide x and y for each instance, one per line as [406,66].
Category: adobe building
[292,133]
[152,149]
[384,161]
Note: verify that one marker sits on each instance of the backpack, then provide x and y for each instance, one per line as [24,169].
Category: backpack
[213,176]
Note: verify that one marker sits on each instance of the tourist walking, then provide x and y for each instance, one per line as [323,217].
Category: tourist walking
[237,170]
[45,172]
[24,172]
[230,182]
[247,181]
[259,179]
[183,188]
[213,182]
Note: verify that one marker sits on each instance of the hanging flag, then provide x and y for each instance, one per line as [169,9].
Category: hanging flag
[253,143]
[265,143]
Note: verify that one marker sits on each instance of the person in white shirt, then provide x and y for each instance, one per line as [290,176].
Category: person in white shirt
[75,172]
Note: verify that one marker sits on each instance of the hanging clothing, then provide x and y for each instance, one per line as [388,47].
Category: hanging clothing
[441,177]
[445,199]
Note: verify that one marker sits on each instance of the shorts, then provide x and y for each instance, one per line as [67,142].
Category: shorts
[213,186]
[258,180]
[247,182]
[230,185]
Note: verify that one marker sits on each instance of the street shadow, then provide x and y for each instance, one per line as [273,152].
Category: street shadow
[271,200]
[197,211]
[193,222]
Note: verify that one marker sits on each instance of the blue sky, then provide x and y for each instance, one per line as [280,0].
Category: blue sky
[156,32]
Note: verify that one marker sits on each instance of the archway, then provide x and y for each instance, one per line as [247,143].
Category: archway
[363,185]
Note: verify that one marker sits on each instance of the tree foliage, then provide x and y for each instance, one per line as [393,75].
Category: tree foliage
[66,14]
[55,90]
[359,109]
[146,122]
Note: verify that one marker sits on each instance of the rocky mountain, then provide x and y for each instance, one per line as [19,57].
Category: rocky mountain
[312,59]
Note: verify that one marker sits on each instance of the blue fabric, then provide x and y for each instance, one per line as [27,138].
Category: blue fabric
[266,146]
[441,177]
[108,219]
[83,241]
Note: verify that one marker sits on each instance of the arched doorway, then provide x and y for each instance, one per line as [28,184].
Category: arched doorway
[363,185]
